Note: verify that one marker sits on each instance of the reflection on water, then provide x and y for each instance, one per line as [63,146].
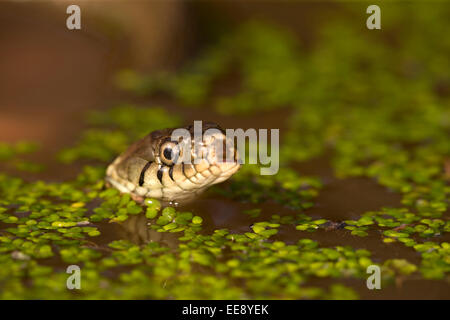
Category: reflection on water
[137,230]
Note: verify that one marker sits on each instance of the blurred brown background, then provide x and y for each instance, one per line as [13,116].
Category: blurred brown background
[49,75]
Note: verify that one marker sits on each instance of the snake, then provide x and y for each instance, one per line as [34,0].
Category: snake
[155,166]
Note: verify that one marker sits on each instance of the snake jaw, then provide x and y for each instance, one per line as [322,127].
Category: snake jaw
[145,174]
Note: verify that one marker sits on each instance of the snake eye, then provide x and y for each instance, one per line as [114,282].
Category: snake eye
[169,153]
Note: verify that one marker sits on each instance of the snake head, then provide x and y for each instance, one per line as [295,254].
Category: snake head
[175,164]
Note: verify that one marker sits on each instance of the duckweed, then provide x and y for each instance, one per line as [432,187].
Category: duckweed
[287,187]
[11,155]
